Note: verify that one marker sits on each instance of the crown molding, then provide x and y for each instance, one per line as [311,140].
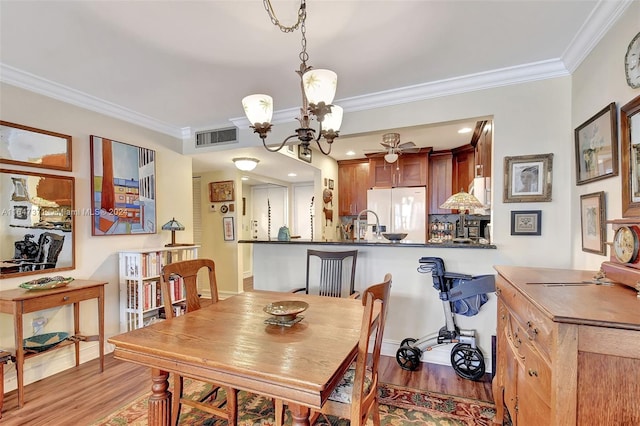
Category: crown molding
[452,86]
[602,18]
[33,83]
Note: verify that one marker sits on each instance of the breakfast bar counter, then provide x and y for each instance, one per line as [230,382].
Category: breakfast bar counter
[415,309]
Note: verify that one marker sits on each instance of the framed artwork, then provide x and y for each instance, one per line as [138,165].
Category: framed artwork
[527,178]
[526,222]
[304,153]
[592,220]
[28,146]
[229,230]
[596,147]
[38,227]
[630,162]
[123,188]
[330,183]
[221,191]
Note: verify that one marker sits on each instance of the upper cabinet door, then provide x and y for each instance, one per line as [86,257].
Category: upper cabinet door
[381,173]
[408,170]
[353,182]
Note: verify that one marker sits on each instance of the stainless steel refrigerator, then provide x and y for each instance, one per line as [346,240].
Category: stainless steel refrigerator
[400,210]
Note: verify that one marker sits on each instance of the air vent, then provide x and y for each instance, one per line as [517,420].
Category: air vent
[216,137]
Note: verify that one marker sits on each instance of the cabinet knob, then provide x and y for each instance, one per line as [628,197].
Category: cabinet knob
[533,373]
[498,291]
[532,332]
[65,298]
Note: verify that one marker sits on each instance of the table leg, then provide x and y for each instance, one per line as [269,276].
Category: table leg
[76,330]
[18,331]
[101,327]
[160,399]
[300,414]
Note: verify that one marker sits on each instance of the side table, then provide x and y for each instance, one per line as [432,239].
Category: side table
[20,301]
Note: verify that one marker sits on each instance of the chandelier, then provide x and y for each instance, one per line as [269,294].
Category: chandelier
[318,88]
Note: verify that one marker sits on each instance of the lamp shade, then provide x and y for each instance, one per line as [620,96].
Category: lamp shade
[258,108]
[246,164]
[320,86]
[461,201]
[173,225]
[333,120]
[391,157]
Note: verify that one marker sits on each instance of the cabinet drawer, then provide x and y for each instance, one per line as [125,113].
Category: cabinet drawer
[59,299]
[535,327]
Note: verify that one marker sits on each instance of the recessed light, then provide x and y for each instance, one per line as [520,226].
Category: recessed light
[350,153]
[292,175]
[245,178]
[465,130]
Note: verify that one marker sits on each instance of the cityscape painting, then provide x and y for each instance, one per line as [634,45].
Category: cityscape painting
[123,188]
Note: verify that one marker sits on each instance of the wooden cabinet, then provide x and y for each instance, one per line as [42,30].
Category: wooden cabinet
[408,170]
[440,180]
[353,182]
[566,355]
[140,292]
[483,151]
[463,167]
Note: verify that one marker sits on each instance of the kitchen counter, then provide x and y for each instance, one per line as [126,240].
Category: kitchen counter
[415,308]
[382,242]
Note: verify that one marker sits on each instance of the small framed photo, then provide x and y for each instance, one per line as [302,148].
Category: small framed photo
[596,148]
[304,153]
[592,220]
[331,184]
[526,222]
[229,229]
[527,178]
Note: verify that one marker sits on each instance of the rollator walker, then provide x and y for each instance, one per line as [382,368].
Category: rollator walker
[461,294]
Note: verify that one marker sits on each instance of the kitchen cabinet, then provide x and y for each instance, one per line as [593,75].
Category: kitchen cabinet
[440,180]
[566,354]
[463,168]
[353,182]
[483,152]
[408,170]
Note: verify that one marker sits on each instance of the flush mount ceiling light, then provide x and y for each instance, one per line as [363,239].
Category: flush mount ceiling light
[318,90]
[246,164]
[392,157]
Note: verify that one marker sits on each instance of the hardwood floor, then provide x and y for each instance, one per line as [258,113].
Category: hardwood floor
[80,396]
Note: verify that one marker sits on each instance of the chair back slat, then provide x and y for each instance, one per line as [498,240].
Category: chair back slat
[188,270]
[335,275]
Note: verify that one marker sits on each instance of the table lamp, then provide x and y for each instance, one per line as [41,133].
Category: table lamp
[173,225]
[462,201]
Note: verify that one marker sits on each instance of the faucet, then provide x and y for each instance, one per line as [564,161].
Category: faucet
[378,233]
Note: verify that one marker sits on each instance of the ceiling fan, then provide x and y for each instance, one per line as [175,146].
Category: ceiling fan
[393,148]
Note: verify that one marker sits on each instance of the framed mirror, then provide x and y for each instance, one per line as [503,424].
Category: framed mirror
[37,223]
[28,146]
[630,128]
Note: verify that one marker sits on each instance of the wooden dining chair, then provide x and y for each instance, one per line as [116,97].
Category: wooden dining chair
[356,396]
[331,273]
[188,271]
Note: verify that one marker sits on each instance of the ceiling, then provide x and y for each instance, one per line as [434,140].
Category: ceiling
[182,66]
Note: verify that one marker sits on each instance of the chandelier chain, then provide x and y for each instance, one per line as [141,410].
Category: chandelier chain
[302,14]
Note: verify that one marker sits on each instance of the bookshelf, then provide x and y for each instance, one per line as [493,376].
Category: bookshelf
[140,291]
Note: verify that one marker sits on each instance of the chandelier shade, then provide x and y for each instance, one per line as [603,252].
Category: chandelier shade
[246,164]
[333,120]
[320,86]
[258,108]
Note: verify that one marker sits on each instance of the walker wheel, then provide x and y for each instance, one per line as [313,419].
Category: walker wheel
[467,362]
[408,358]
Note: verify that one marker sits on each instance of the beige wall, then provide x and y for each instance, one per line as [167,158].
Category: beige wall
[598,81]
[96,257]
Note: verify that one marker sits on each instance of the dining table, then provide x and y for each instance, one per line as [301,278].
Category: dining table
[232,343]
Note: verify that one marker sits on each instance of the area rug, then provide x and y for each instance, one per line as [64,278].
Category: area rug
[399,406]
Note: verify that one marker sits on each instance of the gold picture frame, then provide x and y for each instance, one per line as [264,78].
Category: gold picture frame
[593,223]
[527,178]
[221,191]
[630,158]
[596,146]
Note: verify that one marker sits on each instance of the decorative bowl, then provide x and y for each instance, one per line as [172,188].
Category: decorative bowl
[46,283]
[286,310]
[42,342]
[394,237]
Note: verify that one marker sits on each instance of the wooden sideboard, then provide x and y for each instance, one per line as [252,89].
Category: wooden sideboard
[567,354]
